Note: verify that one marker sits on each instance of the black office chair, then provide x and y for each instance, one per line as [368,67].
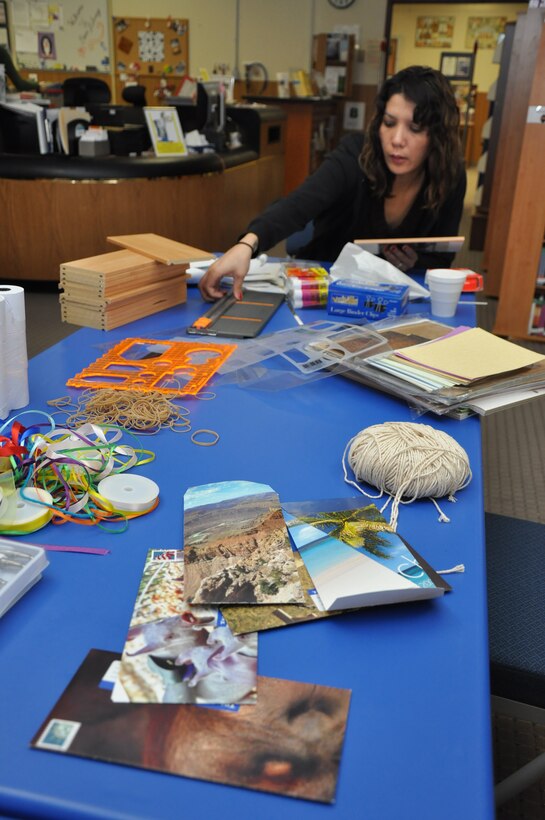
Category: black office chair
[135,95]
[515,552]
[84,90]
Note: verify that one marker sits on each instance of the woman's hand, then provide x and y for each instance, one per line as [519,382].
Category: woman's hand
[403,257]
[235,262]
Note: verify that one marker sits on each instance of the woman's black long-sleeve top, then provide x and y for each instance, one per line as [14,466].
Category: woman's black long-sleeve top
[338,199]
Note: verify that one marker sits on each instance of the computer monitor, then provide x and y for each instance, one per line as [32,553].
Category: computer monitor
[23,129]
[204,113]
[215,105]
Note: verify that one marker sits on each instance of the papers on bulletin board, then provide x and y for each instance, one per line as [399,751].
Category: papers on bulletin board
[20,14]
[39,15]
[26,41]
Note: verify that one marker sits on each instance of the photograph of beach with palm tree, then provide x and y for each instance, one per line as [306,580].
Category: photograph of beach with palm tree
[355,559]
[236,546]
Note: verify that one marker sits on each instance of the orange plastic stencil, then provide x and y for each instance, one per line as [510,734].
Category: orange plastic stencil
[148,364]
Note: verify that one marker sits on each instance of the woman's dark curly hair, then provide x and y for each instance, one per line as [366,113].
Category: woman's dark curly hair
[437,111]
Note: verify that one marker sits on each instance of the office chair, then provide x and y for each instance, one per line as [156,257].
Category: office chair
[515,552]
[84,90]
[135,95]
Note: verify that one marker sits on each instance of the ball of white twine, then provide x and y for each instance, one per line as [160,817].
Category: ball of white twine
[407,461]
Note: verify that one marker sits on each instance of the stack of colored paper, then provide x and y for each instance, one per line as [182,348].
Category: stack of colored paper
[461,357]
[515,375]
[307,286]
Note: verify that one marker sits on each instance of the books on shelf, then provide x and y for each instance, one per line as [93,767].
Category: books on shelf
[300,83]
[335,79]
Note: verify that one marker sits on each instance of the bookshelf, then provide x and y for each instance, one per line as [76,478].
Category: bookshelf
[489,131]
[333,57]
[517,213]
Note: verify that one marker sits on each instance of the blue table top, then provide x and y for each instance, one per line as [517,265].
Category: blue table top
[418,734]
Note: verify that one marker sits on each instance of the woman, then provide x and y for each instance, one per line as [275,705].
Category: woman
[406,178]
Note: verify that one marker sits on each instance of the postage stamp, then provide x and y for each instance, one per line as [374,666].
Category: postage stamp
[58,735]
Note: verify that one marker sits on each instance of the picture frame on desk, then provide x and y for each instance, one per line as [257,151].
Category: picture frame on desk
[165,131]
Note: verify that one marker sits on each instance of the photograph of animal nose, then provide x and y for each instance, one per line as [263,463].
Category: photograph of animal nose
[289,742]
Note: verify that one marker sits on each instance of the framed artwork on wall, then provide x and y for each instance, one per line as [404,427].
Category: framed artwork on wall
[484,30]
[457,65]
[434,31]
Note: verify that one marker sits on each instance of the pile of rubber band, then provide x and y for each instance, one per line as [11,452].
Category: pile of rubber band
[55,471]
[146,412]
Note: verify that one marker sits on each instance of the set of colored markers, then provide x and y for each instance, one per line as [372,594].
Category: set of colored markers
[306,286]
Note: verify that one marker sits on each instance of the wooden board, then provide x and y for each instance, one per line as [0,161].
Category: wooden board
[108,317]
[160,248]
[431,244]
[80,293]
[109,274]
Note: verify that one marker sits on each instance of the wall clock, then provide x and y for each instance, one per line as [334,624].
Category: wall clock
[341,4]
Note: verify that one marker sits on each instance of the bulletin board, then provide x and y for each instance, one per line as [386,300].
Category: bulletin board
[152,48]
[68,34]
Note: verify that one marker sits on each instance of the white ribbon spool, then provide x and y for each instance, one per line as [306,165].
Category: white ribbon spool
[129,492]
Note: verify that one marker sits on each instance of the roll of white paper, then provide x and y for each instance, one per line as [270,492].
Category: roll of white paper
[14,360]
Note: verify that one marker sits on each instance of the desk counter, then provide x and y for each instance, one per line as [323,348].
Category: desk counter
[418,734]
[56,208]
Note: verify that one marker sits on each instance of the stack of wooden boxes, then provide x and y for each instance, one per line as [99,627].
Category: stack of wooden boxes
[112,289]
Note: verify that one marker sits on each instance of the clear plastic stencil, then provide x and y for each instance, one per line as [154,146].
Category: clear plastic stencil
[289,358]
[149,364]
